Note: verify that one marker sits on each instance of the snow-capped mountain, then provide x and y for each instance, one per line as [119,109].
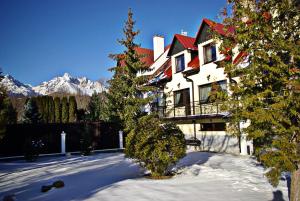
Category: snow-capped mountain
[70,85]
[16,88]
[62,84]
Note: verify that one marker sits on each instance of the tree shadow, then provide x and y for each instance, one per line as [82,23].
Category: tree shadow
[80,182]
[219,143]
[277,196]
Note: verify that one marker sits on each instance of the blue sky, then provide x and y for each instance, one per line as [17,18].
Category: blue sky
[40,39]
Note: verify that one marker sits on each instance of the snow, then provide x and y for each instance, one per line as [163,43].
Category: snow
[16,88]
[65,84]
[69,84]
[203,176]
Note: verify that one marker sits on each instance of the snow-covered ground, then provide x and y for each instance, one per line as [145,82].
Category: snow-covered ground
[204,176]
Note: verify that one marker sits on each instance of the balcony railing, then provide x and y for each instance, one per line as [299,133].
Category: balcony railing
[189,110]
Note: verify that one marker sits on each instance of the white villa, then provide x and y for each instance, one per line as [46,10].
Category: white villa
[187,72]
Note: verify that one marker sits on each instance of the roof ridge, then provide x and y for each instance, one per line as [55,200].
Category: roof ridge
[184,36]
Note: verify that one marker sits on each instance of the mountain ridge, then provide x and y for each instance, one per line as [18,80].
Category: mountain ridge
[60,84]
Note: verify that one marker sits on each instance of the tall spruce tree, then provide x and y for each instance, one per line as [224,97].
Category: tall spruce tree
[31,114]
[103,106]
[93,107]
[8,114]
[125,92]
[57,110]
[267,92]
[45,109]
[11,113]
[51,118]
[64,110]
[72,109]
[153,145]
[39,102]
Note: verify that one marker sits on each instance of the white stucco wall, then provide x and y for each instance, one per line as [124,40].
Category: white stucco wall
[218,141]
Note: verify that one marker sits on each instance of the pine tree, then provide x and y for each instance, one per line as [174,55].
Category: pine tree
[51,118]
[154,145]
[39,102]
[125,92]
[57,110]
[267,93]
[64,110]
[45,109]
[11,113]
[103,107]
[31,114]
[93,107]
[72,109]
[3,106]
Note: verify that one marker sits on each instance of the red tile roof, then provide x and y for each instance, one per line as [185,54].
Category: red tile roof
[239,57]
[148,58]
[168,72]
[149,55]
[194,63]
[186,41]
[219,28]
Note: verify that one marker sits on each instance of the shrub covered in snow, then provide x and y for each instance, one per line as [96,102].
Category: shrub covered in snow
[154,145]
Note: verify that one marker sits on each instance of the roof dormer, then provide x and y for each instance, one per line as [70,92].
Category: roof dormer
[207,26]
[180,43]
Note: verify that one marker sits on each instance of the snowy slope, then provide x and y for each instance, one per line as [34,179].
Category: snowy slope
[16,88]
[62,84]
[111,177]
[69,84]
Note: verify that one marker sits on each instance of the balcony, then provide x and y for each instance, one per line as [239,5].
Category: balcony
[191,110]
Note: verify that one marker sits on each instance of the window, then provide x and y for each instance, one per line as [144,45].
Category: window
[205,91]
[182,98]
[209,53]
[213,127]
[179,63]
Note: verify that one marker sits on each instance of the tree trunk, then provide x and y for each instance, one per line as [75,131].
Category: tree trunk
[295,185]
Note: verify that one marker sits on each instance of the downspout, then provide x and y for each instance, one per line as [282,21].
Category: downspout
[193,97]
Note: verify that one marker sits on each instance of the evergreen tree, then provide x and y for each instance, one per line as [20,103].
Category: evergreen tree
[45,109]
[267,93]
[93,107]
[8,114]
[3,108]
[64,110]
[57,110]
[103,107]
[72,109]
[155,146]
[39,102]
[11,113]
[51,118]
[31,114]
[125,92]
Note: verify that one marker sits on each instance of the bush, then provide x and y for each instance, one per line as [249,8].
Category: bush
[32,149]
[155,146]
[86,141]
